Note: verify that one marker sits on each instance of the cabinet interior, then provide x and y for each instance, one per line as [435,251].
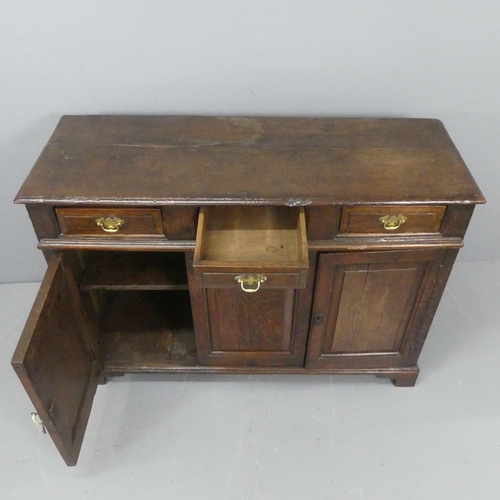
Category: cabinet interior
[145,309]
[147,329]
[135,271]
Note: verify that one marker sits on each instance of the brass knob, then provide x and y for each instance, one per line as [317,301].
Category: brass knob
[110,224]
[250,279]
[392,222]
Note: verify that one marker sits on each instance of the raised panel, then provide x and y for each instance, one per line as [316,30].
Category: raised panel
[373,304]
[372,310]
[244,322]
[233,328]
[55,363]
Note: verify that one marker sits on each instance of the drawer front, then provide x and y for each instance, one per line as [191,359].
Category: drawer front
[114,222]
[391,219]
[250,282]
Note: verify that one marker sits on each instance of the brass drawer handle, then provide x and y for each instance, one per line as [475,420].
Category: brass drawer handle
[392,222]
[250,279]
[110,224]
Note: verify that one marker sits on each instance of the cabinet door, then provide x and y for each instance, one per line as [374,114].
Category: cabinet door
[369,306]
[266,328]
[55,363]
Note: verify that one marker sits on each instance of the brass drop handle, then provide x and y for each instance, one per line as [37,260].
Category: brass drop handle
[392,222]
[250,279]
[110,224]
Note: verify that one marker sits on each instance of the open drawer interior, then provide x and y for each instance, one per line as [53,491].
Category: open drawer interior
[247,239]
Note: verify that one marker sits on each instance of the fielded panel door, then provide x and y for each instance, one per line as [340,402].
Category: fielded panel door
[55,362]
[368,307]
[267,328]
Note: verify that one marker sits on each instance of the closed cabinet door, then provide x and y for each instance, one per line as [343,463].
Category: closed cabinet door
[265,328]
[369,307]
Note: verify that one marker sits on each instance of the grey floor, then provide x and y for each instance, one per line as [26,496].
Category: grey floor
[279,437]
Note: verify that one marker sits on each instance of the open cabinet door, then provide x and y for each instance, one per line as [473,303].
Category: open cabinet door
[54,360]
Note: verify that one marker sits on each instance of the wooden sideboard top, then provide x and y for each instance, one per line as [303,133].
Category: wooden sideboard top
[150,160]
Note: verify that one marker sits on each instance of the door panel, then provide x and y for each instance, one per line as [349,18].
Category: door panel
[375,319]
[371,305]
[55,363]
[234,328]
[256,322]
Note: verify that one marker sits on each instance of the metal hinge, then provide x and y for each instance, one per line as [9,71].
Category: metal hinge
[38,421]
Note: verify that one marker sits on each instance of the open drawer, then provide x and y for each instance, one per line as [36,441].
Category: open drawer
[251,248]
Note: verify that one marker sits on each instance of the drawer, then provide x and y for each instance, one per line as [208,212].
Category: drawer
[251,281]
[391,219]
[251,247]
[115,222]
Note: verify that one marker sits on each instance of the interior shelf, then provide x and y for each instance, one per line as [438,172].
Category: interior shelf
[148,329]
[135,271]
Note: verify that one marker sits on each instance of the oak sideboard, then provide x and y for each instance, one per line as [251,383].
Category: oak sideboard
[235,245]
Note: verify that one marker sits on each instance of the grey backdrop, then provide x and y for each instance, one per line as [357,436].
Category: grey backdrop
[418,58]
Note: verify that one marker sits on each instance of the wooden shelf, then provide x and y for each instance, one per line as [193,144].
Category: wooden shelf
[148,329]
[135,271]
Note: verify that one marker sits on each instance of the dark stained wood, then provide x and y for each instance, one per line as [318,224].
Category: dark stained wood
[250,323]
[340,243]
[234,328]
[371,307]
[248,329]
[180,222]
[45,224]
[44,220]
[90,305]
[390,373]
[55,362]
[82,221]
[323,222]
[135,271]
[375,319]
[457,220]
[206,199]
[396,242]
[429,304]
[273,280]
[135,244]
[365,219]
[95,160]
[248,132]
[148,330]
[404,378]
